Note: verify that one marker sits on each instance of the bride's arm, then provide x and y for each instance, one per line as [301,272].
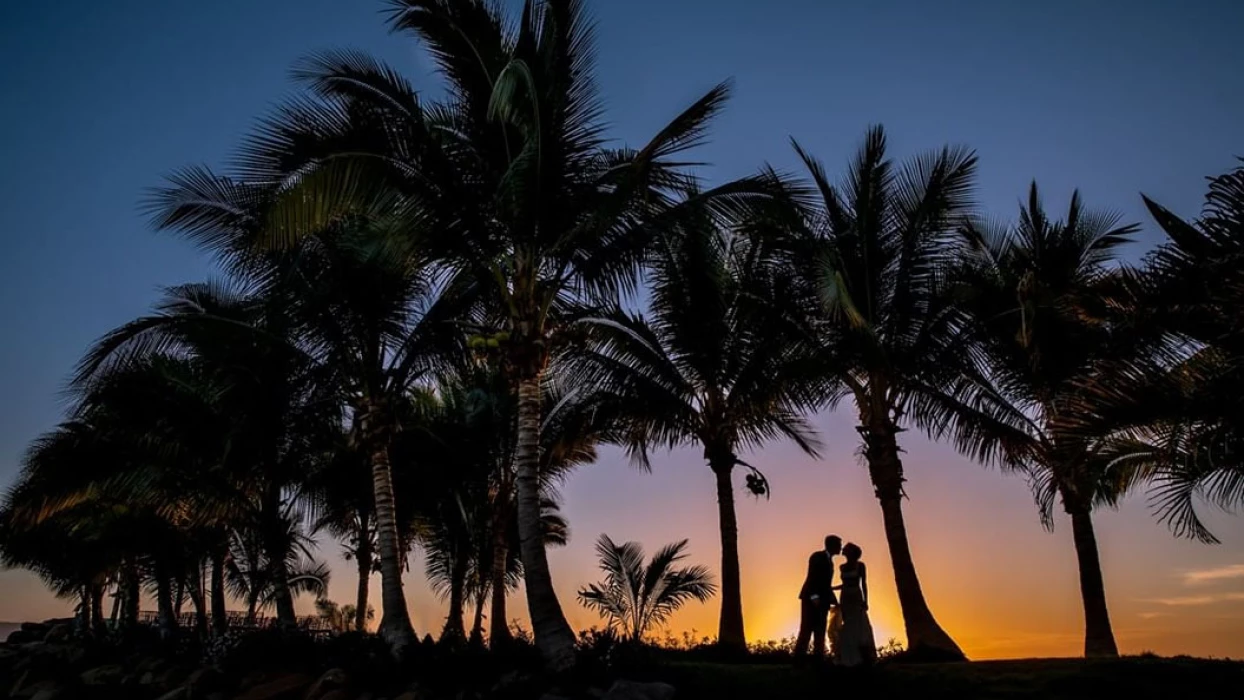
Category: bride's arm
[864,584]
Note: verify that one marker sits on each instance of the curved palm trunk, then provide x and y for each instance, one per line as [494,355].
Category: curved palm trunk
[730,633]
[1098,633]
[886,471]
[498,621]
[220,615]
[553,636]
[454,630]
[362,556]
[395,625]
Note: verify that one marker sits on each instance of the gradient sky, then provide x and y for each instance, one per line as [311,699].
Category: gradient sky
[1115,97]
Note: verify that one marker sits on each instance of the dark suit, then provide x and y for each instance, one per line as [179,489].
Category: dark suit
[814,614]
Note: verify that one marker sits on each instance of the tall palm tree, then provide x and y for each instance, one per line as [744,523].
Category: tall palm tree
[1180,417]
[507,186]
[874,253]
[1040,294]
[722,360]
[635,596]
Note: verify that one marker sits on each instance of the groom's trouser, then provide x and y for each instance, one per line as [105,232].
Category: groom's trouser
[813,619]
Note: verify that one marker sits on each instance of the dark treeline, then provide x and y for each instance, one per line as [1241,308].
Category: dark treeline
[429,313]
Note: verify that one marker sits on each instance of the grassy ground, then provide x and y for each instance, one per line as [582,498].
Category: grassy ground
[1127,679]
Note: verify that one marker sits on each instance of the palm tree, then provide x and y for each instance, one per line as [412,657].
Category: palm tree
[635,596]
[461,450]
[723,361]
[255,413]
[874,254]
[252,576]
[1178,419]
[506,186]
[343,504]
[1040,294]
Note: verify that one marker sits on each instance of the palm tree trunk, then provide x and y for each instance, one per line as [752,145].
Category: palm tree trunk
[1098,633]
[453,630]
[131,587]
[276,545]
[477,628]
[199,600]
[252,608]
[395,625]
[553,636]
[886,471]
[498,620]
[165,616]
[362,556]
[220,615]
[97,608]
[114,616]
[730,634]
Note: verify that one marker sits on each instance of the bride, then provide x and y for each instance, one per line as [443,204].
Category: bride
[850,632]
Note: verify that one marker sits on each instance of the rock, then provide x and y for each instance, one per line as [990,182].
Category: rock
[59,634]
[204,680]
[172,677]
[103,675]
[176,694]
[253,679]
[338,694]
[550,696]
[285,687]
[51,692]
[333,679]
[22,689]
[414,691]
[152,664]
[631,690]
[20,637]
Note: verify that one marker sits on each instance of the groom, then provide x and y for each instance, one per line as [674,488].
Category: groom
[815,599]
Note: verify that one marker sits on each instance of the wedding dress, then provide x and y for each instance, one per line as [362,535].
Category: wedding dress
[850,632]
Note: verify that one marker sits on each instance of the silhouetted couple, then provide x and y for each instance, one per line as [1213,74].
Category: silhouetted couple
[850,632]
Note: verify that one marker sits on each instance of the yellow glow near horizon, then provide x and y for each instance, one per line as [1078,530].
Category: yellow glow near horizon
[999,584]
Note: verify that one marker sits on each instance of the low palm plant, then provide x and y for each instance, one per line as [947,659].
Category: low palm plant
[636,596]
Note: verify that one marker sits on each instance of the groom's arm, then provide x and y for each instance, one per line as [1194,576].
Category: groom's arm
[810,586]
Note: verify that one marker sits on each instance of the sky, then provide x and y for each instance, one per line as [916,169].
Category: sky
[1115,97]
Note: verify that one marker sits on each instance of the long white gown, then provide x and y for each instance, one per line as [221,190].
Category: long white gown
[850,632]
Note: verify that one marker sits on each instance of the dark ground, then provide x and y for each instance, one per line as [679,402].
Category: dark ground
[1131,678]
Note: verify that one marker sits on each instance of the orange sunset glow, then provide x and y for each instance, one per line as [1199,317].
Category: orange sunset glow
[993,577]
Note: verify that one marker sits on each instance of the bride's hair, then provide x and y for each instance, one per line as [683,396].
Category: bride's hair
[852,551]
